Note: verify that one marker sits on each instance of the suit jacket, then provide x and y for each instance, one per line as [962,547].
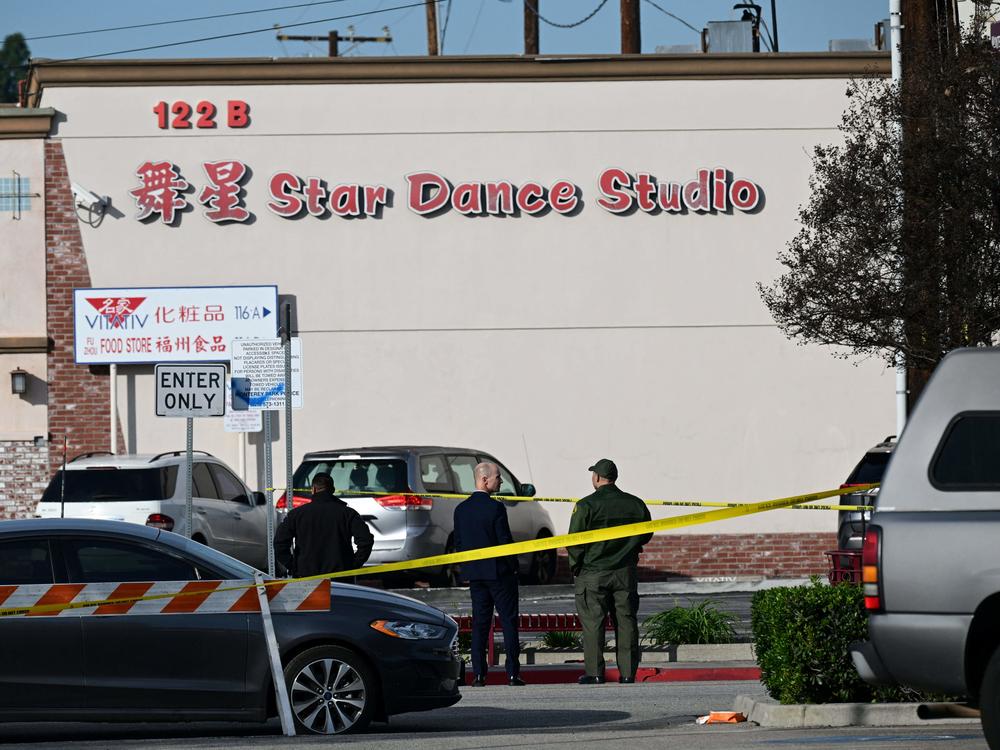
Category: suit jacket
[481,521]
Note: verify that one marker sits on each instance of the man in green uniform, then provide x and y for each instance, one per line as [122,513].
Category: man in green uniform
[606,573]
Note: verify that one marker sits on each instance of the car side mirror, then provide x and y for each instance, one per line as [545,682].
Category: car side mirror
[528,490]
[259,498]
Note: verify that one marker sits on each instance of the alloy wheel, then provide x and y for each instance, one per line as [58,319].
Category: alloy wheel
[328,696]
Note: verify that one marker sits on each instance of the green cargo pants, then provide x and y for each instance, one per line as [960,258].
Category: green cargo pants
[599,592]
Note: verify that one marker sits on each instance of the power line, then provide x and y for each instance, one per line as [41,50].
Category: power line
[582,21]
[674,16]
[241,33]
[183,20]
[444,31]
[475,25]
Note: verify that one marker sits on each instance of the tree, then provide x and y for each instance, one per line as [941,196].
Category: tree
[899,246]
[14,57]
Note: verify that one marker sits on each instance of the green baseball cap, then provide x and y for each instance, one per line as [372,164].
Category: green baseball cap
[605,468]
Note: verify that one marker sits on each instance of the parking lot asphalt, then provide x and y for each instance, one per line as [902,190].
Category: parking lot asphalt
[543,717]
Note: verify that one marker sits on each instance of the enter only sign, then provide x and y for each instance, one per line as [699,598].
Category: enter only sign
[190,390]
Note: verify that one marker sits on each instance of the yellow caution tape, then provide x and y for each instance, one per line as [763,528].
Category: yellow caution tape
[733,510]
[523,499]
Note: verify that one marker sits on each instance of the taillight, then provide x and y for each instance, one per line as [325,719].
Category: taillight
[405,502]
[297,500]
[160,521]
[869,569]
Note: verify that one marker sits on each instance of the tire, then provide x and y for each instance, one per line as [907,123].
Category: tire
[989,701]
[543,564]
[332,691]
[450,575]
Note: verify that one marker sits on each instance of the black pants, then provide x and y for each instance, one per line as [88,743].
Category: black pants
[501,593]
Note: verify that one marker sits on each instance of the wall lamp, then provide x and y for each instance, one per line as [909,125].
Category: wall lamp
[18,382]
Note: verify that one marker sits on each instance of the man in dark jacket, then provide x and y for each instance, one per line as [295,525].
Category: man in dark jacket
[322,531]
[481,521]
[606,573]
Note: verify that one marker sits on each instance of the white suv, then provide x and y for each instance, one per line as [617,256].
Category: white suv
[149,490]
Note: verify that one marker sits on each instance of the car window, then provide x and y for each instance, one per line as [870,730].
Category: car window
[230,488]
[202,481]
[110,484]
[355,475]
[434,474]
[462,468]
[105,560]
[25,561]
[507,486]
[968,457]
[870,469]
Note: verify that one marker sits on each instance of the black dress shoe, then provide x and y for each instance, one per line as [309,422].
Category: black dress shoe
[626,680]
[516,682]
[479,682]
[590,680]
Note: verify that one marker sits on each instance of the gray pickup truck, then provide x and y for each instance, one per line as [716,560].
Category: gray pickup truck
[931,557]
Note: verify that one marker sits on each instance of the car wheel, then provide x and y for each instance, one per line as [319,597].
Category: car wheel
[450,575]
[989,701]
[332,691]
[543,564]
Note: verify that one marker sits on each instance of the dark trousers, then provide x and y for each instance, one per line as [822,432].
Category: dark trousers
[502,594]
[599,592]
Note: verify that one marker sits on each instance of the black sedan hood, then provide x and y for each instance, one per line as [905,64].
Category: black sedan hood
[343,594]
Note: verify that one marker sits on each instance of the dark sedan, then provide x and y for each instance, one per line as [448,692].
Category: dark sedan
[375,653]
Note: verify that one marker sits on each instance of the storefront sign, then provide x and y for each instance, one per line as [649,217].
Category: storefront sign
[158,324]
[164,193]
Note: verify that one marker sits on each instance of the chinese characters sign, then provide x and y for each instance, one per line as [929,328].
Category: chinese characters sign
[161,324]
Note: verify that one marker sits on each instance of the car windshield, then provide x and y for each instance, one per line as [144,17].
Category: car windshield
[232,568]
[110,484]
[355,474]
[870,470]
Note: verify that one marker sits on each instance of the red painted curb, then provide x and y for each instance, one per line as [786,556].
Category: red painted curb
[534,675]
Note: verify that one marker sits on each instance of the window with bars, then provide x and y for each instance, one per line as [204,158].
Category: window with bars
[15,194]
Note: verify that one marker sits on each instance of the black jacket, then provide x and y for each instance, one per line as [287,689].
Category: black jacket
[322,531]
[481,521]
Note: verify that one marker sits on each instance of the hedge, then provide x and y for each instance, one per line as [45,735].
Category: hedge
[801,639]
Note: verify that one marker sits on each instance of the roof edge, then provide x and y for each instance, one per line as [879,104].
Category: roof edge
[22,122]
[250,71]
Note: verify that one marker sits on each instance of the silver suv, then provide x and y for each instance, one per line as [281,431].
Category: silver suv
[147,489]
[407,526]
[931,562]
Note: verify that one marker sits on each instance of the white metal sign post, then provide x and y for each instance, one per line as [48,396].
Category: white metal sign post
[190,391]
[263,376]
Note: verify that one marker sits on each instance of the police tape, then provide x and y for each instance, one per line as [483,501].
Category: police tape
[735,510]
[524,499]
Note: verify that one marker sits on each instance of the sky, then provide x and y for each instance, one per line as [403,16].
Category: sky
[474,27]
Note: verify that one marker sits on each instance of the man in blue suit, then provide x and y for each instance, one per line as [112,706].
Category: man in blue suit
[481,521]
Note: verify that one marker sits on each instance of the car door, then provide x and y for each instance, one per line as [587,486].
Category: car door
[41,658]
[155,663]
[519,513]
[249,520]
[213,517]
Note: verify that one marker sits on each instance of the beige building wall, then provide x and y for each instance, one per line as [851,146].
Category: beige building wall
[550,341]
[22,291]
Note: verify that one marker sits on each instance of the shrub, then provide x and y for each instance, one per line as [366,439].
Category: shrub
[802,636]
[561,639]
[702,623]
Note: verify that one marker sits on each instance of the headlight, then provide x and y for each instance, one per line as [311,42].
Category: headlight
[411,631]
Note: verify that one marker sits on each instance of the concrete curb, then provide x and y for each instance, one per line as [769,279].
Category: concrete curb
[564,674]
[768,713]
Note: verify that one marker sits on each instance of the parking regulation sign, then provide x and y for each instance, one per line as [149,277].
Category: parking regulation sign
[190,390]
[259,374]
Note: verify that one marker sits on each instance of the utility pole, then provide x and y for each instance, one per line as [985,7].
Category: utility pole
[531,27]
[631,36]
[334,38]
[432,27]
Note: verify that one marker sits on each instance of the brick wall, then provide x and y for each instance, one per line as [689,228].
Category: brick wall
[677,558]
[24,474]
[78,394]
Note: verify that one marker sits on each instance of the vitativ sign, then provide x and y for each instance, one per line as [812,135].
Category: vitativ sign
[164,192]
